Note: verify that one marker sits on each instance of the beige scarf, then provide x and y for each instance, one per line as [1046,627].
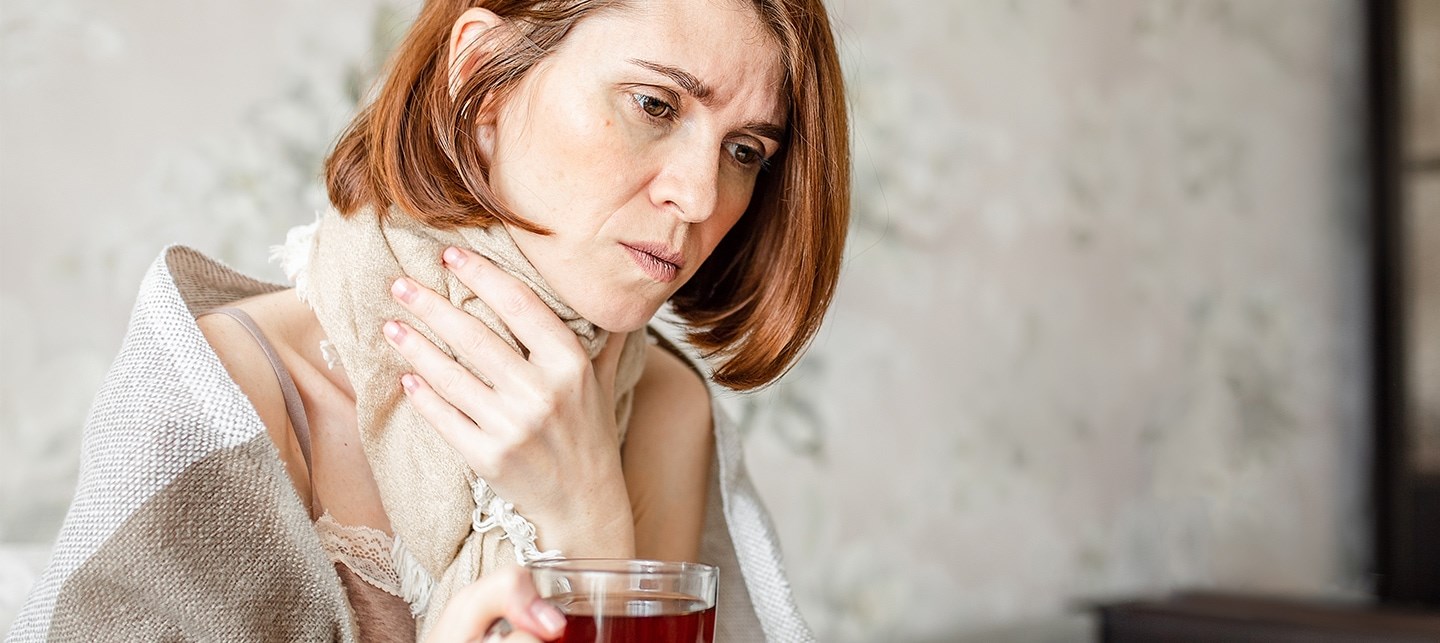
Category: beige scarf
[452,528]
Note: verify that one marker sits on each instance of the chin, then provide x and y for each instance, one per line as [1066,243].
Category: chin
[617,316]
[622,323]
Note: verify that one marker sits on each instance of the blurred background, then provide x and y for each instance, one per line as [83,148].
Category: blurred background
[1104,330]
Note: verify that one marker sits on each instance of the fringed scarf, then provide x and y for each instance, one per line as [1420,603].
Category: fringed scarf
[452,527]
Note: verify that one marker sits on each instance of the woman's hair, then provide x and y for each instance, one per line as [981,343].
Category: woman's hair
[756,301]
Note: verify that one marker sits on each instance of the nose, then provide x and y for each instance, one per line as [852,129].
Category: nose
[687,181]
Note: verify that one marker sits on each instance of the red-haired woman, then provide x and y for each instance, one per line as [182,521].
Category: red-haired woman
[465,379]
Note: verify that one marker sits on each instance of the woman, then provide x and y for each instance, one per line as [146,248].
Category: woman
[465,379]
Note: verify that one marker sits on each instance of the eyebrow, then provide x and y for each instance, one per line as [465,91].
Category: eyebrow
[768,130]
[703,93]
[686,80]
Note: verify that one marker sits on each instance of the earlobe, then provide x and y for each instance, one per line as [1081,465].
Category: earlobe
[466,47]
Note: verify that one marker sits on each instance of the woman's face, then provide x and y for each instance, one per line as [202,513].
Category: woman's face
[638,143]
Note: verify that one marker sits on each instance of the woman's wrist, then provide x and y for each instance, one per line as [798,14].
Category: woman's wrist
[600,525]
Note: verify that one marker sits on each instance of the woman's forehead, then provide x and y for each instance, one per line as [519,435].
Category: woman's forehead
[720,43]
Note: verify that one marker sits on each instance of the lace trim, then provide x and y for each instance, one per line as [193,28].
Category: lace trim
[492,511]
[367,552]
[377,559]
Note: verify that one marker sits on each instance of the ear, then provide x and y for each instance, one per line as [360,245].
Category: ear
[465,43]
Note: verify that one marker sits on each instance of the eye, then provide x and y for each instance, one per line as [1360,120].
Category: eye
[654,107]
[746,155]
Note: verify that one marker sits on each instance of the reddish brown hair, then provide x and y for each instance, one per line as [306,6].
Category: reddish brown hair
[760,297]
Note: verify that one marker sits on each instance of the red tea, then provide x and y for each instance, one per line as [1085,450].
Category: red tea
[649,617]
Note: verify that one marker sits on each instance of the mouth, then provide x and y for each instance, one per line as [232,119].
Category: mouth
[656,261]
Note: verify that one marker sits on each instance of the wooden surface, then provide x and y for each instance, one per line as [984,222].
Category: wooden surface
[1241,619]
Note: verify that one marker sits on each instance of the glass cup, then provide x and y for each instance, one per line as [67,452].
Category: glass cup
[614,600]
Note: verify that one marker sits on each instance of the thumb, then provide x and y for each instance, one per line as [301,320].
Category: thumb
[607,363]
[508,594]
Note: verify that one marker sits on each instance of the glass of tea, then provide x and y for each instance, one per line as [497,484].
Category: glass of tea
[614,600]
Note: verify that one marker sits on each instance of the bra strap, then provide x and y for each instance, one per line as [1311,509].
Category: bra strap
[293,406]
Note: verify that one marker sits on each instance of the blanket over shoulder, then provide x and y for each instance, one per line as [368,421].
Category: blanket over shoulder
[185,525]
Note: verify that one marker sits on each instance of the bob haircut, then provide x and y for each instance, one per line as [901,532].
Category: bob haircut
[756,302]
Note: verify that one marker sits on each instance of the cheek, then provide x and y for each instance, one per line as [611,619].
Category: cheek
[735,199]
[592,133]
[579,138]
[729,212]
[563,156]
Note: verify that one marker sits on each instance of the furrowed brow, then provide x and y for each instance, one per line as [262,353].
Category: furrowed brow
[768,130]
[686,80]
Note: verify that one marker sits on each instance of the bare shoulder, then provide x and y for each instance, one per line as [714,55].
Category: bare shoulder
[251,370]
[244,360]
[671,391]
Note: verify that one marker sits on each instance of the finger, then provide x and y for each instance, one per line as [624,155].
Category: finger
[456,428]
[461,388]
[532,321]
[507,593]
[607,363]
[467,336]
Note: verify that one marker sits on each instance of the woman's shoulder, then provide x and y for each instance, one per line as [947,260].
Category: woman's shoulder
[252,370]
[666,361]
[247,364]
[204,284]
[672,389]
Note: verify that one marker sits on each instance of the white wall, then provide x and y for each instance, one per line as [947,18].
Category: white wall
[1100,331]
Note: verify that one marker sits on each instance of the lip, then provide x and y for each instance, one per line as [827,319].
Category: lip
[657,261]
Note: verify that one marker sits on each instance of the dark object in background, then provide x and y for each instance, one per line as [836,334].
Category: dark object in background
[1404,158]
[1197,618]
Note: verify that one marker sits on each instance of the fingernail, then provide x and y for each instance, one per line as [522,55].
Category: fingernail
[407,382]
[402,289]
[454,257]
[548,616]
[394,331]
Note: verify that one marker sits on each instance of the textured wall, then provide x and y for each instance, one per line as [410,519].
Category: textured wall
[1100,330]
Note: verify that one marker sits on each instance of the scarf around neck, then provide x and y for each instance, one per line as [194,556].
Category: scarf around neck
[452,526]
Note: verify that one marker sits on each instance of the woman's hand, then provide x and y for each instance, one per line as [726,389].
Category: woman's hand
[543,434]
[508,593]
